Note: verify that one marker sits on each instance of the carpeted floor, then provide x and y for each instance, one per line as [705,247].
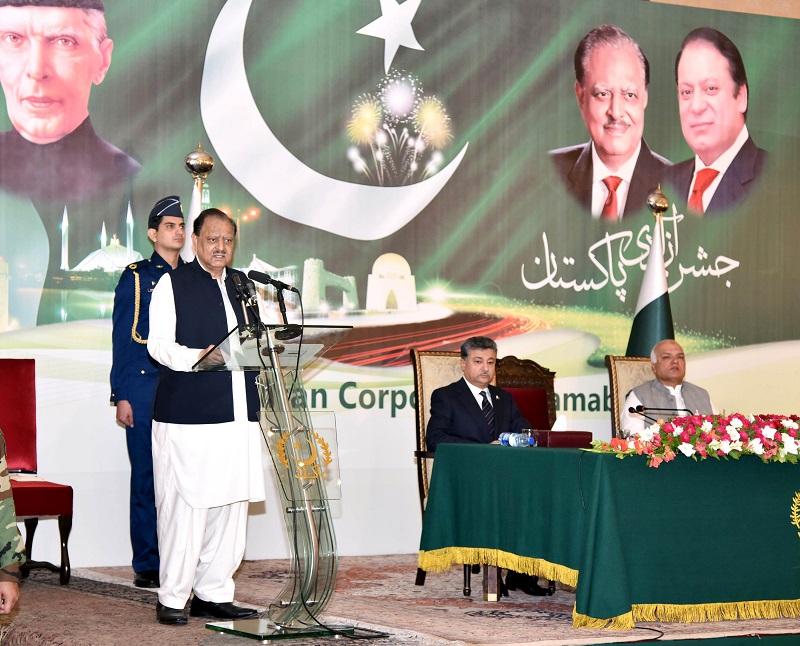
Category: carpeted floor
[101,607]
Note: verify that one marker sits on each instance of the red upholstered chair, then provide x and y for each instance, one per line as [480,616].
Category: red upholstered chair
[533,388]
[33,498]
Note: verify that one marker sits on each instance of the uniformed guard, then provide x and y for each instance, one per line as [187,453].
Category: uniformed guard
[134,375]
[12,553]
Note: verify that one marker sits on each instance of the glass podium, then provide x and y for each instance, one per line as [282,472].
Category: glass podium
[306,464]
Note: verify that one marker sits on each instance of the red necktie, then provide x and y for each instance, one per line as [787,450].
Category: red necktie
[610,208]
[701,183]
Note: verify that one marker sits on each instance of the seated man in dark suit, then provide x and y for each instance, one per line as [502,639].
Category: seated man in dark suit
[471,410]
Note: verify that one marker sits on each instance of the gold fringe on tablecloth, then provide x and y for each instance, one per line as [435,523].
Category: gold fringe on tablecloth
[695,613]
[443,559]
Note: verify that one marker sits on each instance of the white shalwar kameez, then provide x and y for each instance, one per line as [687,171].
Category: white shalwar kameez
[205,475]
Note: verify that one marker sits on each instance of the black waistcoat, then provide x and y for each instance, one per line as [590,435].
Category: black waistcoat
[201,397]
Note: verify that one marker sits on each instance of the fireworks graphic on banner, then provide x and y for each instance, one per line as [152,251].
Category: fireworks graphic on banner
[400,131]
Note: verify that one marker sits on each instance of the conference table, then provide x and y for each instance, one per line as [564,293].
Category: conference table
[689,541]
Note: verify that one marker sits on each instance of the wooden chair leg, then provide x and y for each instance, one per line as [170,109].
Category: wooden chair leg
[30,530]
[420,580]
[491,583]
[467,573]
[64,528]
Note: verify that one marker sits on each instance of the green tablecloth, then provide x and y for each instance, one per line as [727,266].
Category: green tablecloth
[689,541]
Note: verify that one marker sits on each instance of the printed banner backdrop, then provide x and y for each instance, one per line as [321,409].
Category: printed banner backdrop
[401,178]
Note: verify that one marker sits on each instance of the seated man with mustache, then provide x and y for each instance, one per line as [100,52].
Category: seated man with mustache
[472,411]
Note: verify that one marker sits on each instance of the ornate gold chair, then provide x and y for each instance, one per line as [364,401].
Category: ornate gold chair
[625,373]
[432,369]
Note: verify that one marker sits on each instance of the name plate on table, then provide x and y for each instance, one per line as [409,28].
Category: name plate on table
[563,439]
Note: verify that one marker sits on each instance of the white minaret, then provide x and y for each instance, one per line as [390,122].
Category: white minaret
[103,236]
[65,240]
[129,232]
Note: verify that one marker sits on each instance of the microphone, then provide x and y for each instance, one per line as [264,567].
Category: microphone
[239,286]
[266,279]
[237,282]
[250,288]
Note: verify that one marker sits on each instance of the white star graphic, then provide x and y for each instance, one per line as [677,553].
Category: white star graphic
[394,26]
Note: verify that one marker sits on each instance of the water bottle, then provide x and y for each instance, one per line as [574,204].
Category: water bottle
[517,439]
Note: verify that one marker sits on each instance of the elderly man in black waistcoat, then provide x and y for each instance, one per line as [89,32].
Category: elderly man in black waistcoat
[207,459]
[668,391]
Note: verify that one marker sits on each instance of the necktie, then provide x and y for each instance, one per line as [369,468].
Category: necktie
[610,208]
[701,183]
[488,413]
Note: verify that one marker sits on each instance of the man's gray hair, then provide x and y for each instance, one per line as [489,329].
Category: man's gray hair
[477,343]
[96,20]
[606,36]
[653,355]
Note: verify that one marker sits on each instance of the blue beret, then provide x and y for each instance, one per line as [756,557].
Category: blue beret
[166,206]
[66,4]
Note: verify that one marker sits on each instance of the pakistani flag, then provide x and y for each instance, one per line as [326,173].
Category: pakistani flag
[195,206]
[653,319]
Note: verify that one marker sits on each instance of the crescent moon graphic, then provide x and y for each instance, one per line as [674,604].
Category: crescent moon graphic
[273,175]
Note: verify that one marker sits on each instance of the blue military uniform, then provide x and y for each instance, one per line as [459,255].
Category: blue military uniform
[134,375]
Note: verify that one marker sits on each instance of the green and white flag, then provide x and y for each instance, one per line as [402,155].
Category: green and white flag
[653,319]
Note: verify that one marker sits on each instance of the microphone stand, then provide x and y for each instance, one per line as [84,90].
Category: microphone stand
[282,305]
[639,410]
[671,411]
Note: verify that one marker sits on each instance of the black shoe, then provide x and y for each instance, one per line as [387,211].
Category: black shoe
[170,616]
[527,584]
[146,579]
[502,590]
[225,610]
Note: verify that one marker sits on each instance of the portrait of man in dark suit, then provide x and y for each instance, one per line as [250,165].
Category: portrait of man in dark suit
[51,54]
[612,174]
[712,101]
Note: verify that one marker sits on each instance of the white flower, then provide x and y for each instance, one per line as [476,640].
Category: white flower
[736,423]
[678,430]
[737,445]
[755,446]
[725,446]
[649,433]
[707,426]
[687,449]
[790,444]
[714,445]
[788,423]
[732,432]
[768,432]
[751,418]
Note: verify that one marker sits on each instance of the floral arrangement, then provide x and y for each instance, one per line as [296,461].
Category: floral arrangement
[773,438]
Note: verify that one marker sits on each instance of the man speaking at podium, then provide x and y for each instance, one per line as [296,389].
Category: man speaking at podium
[206,442]
[668,392]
